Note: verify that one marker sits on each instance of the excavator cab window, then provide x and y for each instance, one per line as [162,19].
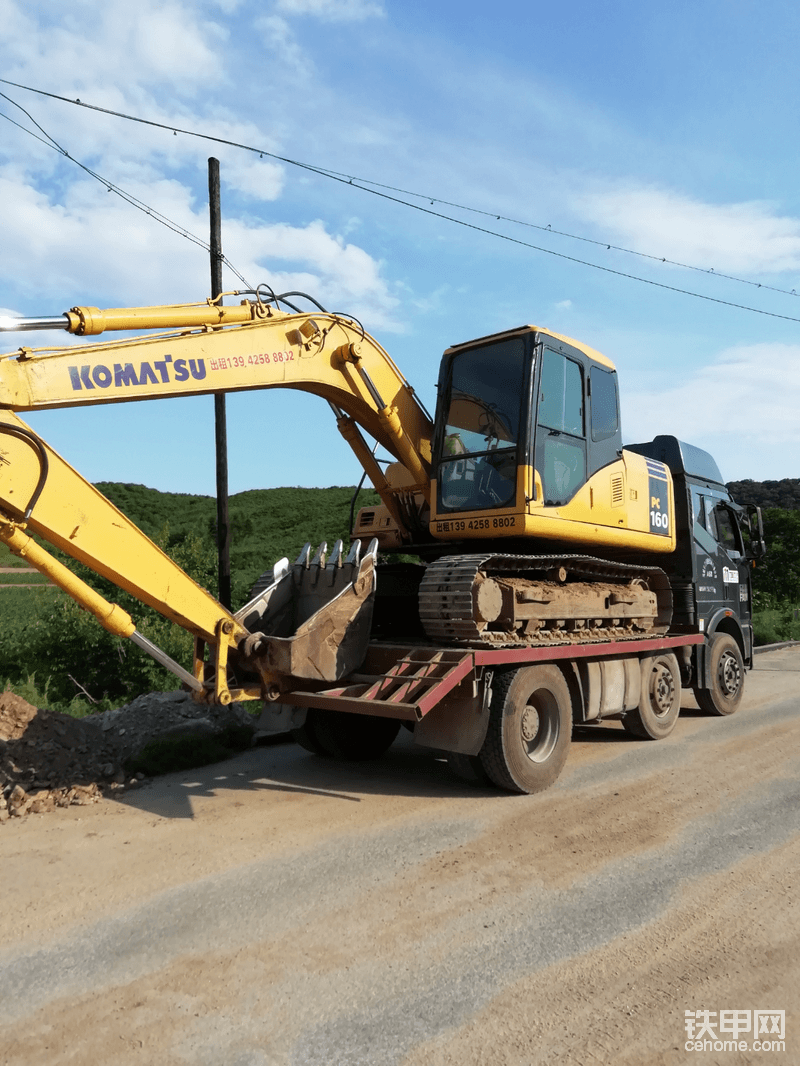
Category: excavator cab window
[478,460]
[604,404]
[560,433]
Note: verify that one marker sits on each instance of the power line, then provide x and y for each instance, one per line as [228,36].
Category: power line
[367,185]
[129,198]
[326,172]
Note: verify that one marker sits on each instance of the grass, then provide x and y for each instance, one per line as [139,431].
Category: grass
[777,624]
[39,696]
[25,579]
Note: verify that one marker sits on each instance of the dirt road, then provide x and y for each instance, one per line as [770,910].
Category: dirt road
[277,909]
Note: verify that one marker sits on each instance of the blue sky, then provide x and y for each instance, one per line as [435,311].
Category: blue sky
[665,129]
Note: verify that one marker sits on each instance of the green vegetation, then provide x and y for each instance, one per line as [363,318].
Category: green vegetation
[775,625]
[784,494]
[22,579]
[776,579]
[56,655]
[266,524]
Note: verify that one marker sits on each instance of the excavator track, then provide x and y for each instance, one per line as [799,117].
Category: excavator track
[512,600]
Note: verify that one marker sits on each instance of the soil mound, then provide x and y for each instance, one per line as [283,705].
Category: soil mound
[48,759]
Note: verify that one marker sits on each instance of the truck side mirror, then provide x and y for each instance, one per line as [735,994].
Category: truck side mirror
[756,547]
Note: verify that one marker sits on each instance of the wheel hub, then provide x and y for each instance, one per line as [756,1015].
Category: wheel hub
[529,724]
[730,676]
[663,690]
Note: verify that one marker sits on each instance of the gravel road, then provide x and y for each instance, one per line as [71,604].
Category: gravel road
[277,909]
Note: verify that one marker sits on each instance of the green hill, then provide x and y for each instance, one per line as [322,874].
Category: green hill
[266,524]
[784,494]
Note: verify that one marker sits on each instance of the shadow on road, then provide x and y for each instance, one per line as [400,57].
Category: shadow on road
[282,766]
[278,765]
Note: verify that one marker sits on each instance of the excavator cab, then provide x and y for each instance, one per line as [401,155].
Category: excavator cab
[525,419]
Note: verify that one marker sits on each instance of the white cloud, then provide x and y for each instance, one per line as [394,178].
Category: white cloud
[67,241]
[342,276]
[332,10]
[563,305]
[744,408]
[164,43]
[741,237]
[88,241]
[90,245]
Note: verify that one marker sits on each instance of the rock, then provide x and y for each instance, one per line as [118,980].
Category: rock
[195,727]
[42,802]
[18,797]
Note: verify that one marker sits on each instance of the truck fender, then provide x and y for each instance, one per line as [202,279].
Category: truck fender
[722,621]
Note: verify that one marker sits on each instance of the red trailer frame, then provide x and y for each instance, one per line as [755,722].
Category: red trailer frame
[398,681]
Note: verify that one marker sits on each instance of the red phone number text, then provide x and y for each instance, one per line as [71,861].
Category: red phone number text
[234,361]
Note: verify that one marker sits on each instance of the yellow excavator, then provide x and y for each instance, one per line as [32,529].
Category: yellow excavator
[534,527]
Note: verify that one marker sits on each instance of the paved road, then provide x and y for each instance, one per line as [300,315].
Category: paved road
[277,909]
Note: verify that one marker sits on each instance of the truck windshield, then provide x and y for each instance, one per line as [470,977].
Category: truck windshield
[478,463]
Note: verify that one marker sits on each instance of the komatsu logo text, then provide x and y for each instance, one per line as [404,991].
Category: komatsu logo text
[103,377]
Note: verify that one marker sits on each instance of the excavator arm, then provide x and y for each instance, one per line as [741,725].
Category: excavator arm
[210,348]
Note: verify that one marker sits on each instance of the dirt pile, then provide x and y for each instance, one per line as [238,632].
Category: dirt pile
[49,760]
[159,714]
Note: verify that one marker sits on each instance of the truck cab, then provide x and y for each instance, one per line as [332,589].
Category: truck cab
[710,570]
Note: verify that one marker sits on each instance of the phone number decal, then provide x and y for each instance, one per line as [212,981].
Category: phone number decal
[260,359]
[476,523]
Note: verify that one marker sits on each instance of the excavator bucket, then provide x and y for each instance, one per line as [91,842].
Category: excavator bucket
[315,617]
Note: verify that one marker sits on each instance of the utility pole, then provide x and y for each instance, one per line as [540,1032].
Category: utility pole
[220,421]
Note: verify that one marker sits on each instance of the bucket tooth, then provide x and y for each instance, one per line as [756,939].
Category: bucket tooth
[337,557]
[372,548]
[280,569]
[304,558]
[319,555]
[354,555]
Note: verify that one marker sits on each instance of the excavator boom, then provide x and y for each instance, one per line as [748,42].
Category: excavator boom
[212,348]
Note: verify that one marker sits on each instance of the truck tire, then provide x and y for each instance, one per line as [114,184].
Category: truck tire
[660,702]
[469,768]
[306,735]
[727,677]
[344,736]
[530,728]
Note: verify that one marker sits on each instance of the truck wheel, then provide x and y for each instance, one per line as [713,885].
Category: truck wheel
[344,736]
[306,735]
[727,677]
[660,702]
[530,729]
[468,768]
